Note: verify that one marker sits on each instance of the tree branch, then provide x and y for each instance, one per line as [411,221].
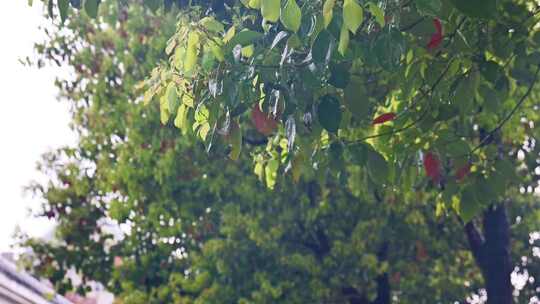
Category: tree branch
[419,119]
[412,25]
[501,124]
[476,241]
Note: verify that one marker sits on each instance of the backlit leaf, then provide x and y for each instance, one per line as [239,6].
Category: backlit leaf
[270,9]
[291,16]
[328,11]
[344,40]
[172,97]
[270,173]
[353,15]
[235,139]
[192,52]
[377,12]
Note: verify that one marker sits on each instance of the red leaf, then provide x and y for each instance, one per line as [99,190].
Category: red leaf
[434,42]
[421,252]
[438,26]
[436,38]
[384,118]
[432,165]
[263,122]
[462,172]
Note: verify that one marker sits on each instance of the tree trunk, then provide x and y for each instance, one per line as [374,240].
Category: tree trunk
[383,285]
[492,254]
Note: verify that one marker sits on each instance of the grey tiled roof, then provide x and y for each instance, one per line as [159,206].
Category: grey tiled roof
[20,287]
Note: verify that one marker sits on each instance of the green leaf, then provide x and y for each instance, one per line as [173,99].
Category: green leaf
[63,7]
[270,9]
[181,120]
[457,148]
[211,24]
[244,38]
[492,100]
[377,167]
[91,8]
[478,8]
[216,50]
[485,193]
[450,190]
[291,16]
[294,42]
[469,206]
[248,51]
[164,110]
[235,137]
[148,95]
[358,154]
[329,113]
[378,13]
[191,52]
[256,4]
[201,125]
[270,172]
[322,47]
[344,40]
[389,48]
[465,92]
[172,97]
[353,15]
[356,100]
[339,75]
[491,71]
[506,170]
[328,12]
[428,7]
[500,179]
[188,101]
[153,5]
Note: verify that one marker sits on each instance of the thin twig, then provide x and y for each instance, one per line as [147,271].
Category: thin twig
[419,119]
[509,116]
[412,25]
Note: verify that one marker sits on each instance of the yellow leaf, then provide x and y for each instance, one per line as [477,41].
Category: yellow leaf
[353,15]
[291,16]
[270,9]
[191,53]
[328,11]
[343,40]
